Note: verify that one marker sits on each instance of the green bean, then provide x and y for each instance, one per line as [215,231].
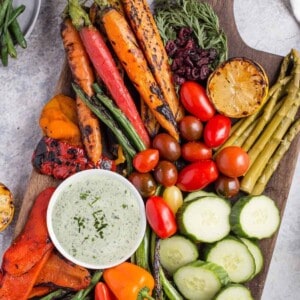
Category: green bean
[10,45]
[4,51]
[17,32]
[3,10]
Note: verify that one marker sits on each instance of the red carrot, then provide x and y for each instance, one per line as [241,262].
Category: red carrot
[106,67]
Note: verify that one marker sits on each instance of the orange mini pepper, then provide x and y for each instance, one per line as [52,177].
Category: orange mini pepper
[129,282]
[58,120]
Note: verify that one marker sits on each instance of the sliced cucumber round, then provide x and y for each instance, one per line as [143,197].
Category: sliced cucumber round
[255,217]
[205,219]
[234,291]
[197,194]
[234,256]
[176,252]
[254,249]
[200,280]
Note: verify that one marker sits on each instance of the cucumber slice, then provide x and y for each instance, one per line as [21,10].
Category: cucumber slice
[177,251]
[198,194]
[234,292]
[200,280]
[205,219]
[255,217]
[234,256]
[256,253]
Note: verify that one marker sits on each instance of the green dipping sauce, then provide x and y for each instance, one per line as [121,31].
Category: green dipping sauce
[97,220]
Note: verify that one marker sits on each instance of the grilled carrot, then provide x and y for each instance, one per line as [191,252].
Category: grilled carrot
[132,58]
[83,74]
[141,18]
[106,68]
[149,120]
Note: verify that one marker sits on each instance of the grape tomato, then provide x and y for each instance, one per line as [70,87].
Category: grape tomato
[173,197]
[190,128]
[166,173]
[217,130]
[194,151]
[146,160]
[195,100]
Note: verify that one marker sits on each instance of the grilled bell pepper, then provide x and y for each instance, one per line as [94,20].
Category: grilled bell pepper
[129,282]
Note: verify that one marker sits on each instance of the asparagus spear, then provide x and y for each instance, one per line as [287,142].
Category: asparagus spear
[287,103]
[269,147]
[275,159]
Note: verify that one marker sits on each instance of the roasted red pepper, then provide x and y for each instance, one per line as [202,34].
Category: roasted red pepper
[160,217]
[60,160]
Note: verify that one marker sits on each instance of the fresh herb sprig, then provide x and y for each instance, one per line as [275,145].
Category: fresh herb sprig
[170,15]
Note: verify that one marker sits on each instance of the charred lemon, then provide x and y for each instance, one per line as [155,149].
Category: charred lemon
[7,208]
[238,87]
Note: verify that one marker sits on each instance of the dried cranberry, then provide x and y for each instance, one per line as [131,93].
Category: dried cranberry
[204,72]
[171,48]
[184,33]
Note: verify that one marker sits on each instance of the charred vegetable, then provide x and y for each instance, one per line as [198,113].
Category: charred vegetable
[7,207]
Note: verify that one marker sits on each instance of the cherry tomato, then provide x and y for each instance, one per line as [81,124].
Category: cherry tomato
[197,175]
[194,151]
[166,173]
[194,98]
[146,160]
[160,217]
[227,187]
[167,146]
[144,183]
[102,292]
[173,197]
[190,128]
[232,161]
[216,131]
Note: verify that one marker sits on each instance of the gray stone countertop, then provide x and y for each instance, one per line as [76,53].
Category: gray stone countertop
[30,81]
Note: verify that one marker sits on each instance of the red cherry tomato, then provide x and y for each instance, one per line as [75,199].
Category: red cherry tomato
[233,161]
[146,160]
[194,151]
[190,128]
[197,175]
[194,98]
[102,292]
[167,146]
[160,217]
[216,131]
[165,173]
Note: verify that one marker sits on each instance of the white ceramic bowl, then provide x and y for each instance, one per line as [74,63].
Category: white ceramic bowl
[96,219]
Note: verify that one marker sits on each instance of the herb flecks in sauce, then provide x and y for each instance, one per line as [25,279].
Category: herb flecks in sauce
[96,220]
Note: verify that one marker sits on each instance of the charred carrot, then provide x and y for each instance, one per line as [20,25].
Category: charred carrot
[106,67]
[149,120]
[132,58]
[83,74]
[148,36]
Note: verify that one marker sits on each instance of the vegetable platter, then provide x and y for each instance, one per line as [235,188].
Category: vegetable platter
[277,188]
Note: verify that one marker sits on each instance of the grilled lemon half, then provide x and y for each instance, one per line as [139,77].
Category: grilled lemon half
[238,87]
[7,207]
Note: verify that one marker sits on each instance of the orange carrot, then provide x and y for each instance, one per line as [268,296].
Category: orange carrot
[140,17]
[33,242]
[83,74]
[132,58]
[106,68]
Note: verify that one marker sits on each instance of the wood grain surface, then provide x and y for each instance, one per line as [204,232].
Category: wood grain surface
[278,187]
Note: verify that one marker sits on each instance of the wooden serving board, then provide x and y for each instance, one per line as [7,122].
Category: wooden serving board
[278,187]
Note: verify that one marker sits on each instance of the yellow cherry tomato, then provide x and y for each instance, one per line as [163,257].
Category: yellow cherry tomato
[173,197]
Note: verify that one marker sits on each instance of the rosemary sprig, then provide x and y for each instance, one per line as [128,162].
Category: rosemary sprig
[170,15]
